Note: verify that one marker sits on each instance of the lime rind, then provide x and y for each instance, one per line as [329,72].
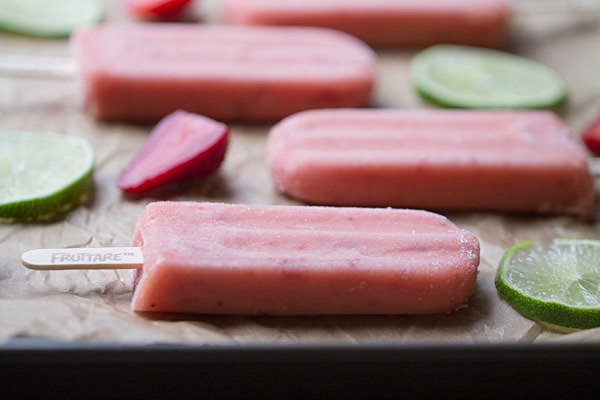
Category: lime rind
[557,286]
[467,77]
[43,175]
[49,18]
[51,207]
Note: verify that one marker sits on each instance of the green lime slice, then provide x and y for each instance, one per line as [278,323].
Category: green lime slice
[42,174]
[471,77]
[558,285]
[48,18]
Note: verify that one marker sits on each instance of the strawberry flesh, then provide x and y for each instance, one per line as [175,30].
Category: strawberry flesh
[156,8]
[182,146]
[591,137]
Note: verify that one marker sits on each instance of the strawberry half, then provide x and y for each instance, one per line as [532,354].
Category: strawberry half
[156,8]
[182,146]
[591,137]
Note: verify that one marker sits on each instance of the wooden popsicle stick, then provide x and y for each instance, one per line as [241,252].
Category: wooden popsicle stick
[594,166]
[558,7]
[84,258]
[42,67]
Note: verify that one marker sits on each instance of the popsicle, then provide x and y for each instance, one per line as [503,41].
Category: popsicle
[255,74]
[385,22]
[214,258]
[508,161]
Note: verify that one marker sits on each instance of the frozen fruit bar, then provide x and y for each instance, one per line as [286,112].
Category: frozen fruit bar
[385,22]
[513,161]
[256,74]
[298,260]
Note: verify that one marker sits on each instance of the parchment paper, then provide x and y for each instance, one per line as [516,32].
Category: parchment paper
[94,306]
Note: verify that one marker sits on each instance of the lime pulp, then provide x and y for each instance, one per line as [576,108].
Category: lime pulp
[558,285]
[42,174]
[470,77]
[48,18]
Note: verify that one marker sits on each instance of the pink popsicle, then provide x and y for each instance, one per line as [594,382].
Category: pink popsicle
[298,260]
[146,71]
[385,22]
[514,161]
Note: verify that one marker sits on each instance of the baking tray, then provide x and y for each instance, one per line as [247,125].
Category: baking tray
[42,369]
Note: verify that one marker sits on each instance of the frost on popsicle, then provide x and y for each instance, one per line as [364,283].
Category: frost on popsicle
[42,174]
[182,146]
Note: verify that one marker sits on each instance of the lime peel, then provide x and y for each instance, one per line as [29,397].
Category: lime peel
[43,175]
[470,77]
[558,285]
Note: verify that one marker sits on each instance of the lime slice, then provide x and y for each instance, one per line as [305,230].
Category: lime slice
[558,285]
[42,174]
[49,18]
[470,77]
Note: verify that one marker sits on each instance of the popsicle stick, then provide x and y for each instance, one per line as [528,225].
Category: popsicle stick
[558,7]
[42,67]
[594,166]
[83,258]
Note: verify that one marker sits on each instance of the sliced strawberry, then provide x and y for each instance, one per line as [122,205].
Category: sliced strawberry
[591,137]
[156,8]
[182,146]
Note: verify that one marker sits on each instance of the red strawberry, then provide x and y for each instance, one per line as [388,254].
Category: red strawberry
[591,137]
[182,146]
[156,8]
